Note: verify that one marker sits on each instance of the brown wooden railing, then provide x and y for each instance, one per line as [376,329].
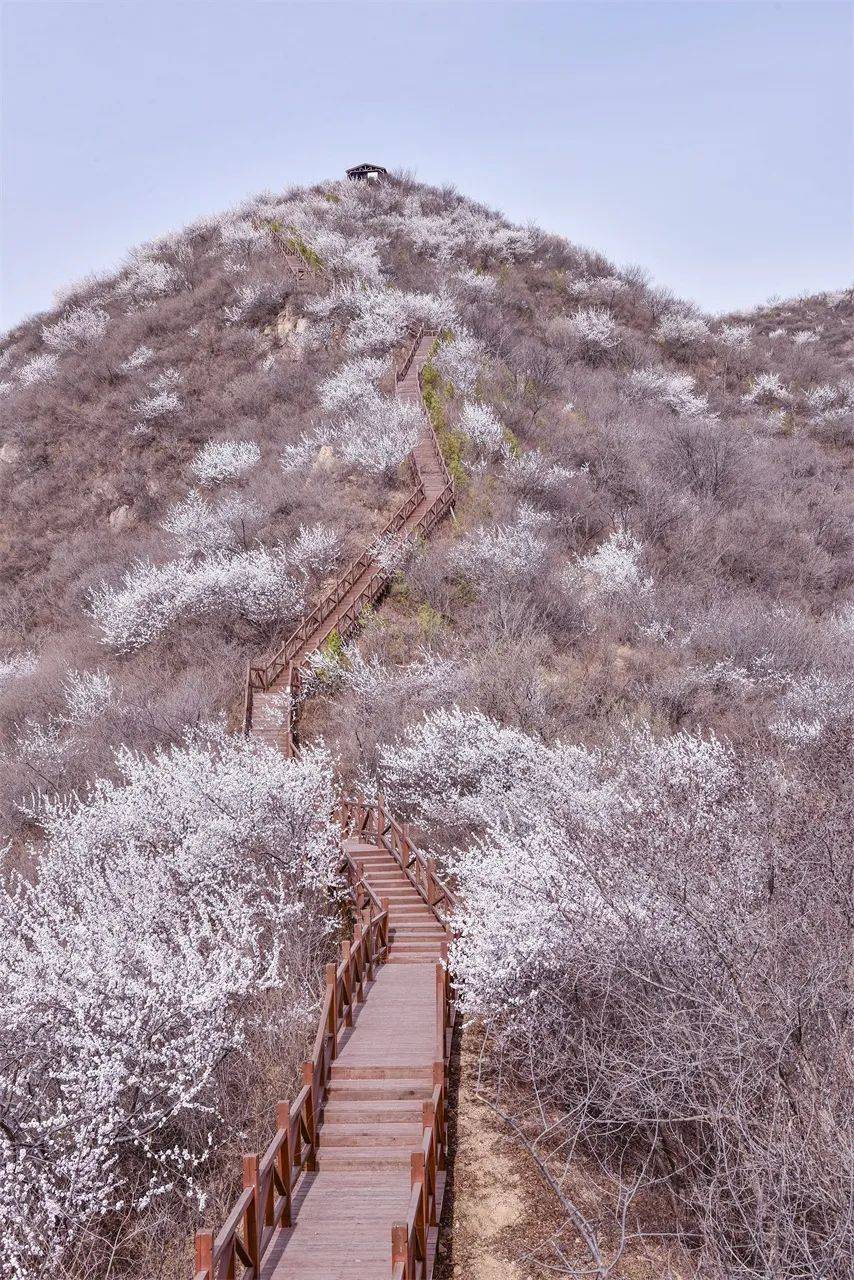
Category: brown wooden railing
[373,577]
[270,1180]
[265,1204]
[409,1240]
[372,819]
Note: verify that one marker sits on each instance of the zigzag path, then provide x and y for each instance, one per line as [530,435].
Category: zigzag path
[267,720]
[352,1183]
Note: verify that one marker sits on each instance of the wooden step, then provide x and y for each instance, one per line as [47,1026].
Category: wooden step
[340,1072]
[367,1134]
[368,1110]
[391,1089]
[363,1158]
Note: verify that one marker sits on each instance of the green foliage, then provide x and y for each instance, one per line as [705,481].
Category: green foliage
[512,443]
[333,646]
[429,621]
[296,244]
[400,590]
[331,197]
[452,443]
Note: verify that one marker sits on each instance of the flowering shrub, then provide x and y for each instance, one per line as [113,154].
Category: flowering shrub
[204,527]
[383,317]
[614,568]
[16,666]
[493,559]
[352,381]
[77,328]
[680,330]
[676,390]
[597,332]
[148,278]
[163,399]
[767,388]
[379,433]
[595,288]
[254,586]
[37,369]
[161,907]
[137,359]
[734,337]
[461,361]
[479,423]
[220,460]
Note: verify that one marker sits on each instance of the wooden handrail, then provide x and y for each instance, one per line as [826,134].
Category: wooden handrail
[262,675]
[265,1204]
[418,867]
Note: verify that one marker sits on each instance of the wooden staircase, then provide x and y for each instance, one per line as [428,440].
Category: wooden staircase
[273,686]
[351,1184]
[353,1181]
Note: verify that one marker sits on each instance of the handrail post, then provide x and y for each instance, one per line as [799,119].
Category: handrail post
[400,1248]
[310,1120]
[283,1121]
[332,988]
[384,943]
[252,1218]
[432,896]
[417,1178]
[204,1243]
[347,983]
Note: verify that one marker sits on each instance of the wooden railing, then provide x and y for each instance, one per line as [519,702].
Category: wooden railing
[372,819]
[409,1240]
[265,1204]
[262,676]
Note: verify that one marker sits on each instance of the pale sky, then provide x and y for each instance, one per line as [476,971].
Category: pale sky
[711,142]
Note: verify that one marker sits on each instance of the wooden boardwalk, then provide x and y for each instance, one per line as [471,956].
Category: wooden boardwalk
[351,1184]
[373,1119]
[271,687]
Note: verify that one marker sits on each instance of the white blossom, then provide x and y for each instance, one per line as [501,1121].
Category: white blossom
[163,399]
[78,328]
[735,337]
[254,585]
[461,361]
[203,527]
[615,568]
[496,558]
[162,904]
[148,278]
[767,388]
[220,460]
[16,666]
[676,390]
[681,329]
[37,369]
[139,357]
[596,330]
[480,424]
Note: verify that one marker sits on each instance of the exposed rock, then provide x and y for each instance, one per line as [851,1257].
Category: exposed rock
[288,323]
[9,453]
[325,459]
[121,518]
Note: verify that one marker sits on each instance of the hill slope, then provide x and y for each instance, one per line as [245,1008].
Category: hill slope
[625,667]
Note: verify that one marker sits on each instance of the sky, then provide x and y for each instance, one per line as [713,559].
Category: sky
[709,142]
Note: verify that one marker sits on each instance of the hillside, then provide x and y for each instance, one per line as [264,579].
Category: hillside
[620,677]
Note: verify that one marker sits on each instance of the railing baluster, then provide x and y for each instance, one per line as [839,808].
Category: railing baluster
[204,1243]
[252,1217]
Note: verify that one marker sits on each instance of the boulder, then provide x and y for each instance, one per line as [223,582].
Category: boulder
[121,517]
